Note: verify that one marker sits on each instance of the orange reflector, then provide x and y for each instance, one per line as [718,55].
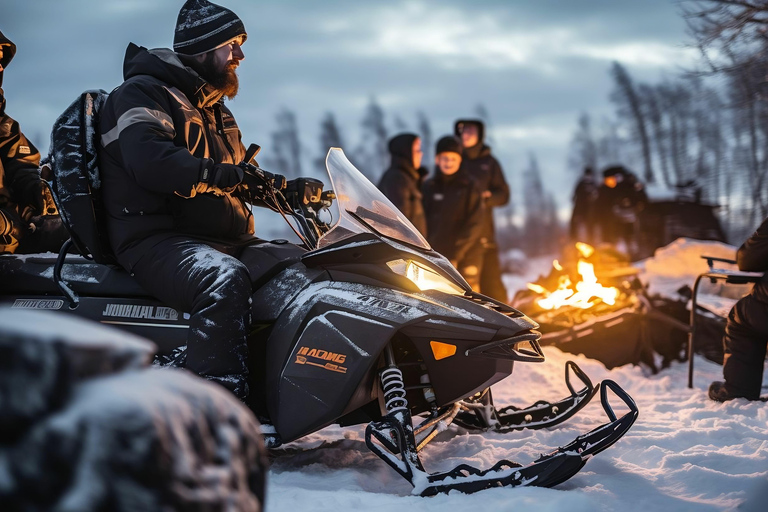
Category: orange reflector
[442,350]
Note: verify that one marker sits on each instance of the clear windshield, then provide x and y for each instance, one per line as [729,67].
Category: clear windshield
[363,208]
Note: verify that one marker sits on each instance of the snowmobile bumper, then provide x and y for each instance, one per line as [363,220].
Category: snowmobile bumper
[392,439]
[478,413]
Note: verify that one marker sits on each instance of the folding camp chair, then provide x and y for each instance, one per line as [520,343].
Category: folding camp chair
[714,275]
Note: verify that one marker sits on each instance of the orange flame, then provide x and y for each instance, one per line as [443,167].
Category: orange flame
[582,294]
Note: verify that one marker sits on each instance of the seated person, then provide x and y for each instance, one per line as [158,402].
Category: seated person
[746,331]
[453,204]
[24,198]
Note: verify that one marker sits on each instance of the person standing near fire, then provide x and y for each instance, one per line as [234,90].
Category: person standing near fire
[479,163]
[453,204]
[746,331]
[582,228]
[401,182]
[620,199]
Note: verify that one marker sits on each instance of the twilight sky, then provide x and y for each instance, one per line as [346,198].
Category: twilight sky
[534,64]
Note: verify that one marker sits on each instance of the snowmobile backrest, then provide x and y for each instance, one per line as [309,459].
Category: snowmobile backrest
[74,160]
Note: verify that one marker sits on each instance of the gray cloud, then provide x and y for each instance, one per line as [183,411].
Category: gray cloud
[534,65]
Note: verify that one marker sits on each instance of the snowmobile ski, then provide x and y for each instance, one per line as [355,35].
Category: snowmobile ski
[478,413]
[392,439]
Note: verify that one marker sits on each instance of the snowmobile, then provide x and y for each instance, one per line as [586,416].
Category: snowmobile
[360,323]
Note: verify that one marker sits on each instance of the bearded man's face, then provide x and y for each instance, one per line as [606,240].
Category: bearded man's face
[219,68]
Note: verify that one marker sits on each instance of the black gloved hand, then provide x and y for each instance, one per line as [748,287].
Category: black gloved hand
[222,176]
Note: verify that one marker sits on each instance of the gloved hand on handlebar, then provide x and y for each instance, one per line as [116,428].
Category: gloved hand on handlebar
[222,176]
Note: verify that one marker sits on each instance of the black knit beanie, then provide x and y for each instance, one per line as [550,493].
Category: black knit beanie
[448,144]
[203,26]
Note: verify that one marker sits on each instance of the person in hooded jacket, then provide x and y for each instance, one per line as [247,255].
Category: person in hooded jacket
[401,182]
[170,181]
[453,204]
[24,198]
[746,330]
[620,199]
[478,161]
[582,227]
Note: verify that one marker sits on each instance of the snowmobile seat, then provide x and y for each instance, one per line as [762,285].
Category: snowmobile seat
[32,274]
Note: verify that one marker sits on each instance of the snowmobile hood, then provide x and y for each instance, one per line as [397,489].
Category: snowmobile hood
[169,67]
[9,50]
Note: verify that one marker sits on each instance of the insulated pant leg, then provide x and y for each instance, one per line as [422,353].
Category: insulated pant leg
[490,275]
[744,344]
[215,289]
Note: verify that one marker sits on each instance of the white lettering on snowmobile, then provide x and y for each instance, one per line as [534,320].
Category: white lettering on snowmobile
[138,311]
[395,307]
[37,304]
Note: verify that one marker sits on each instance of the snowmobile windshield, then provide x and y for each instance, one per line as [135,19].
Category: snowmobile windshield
[363,208]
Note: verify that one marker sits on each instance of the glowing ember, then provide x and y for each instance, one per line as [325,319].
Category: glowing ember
[584,294]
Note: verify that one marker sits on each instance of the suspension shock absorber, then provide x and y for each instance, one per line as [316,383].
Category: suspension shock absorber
[392,384]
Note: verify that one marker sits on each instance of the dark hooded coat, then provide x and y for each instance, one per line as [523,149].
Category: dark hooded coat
[454,209]
[481,165]
[20,186]
[159,129]
[401,182]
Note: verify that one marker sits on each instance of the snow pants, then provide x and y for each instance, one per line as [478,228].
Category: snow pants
[490,274]
[744,344]
[215,288]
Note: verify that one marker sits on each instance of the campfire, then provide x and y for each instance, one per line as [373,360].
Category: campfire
[584,294]
[572,294]
[580,314]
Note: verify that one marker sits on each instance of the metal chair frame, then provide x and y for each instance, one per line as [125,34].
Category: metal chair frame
[714,275]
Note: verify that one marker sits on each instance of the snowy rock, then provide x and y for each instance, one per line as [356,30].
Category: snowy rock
[94,429]
[44,354]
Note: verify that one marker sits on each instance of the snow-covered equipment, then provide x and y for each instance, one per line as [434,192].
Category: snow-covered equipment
[361,323]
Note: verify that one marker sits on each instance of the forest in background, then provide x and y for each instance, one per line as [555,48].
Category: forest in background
[703,128]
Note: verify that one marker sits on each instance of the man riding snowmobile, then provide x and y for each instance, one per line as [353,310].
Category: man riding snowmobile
[170,179]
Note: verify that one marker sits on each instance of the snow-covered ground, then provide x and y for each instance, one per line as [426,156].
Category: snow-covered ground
[685,452]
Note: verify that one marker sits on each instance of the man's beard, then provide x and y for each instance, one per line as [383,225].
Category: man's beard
[224,80]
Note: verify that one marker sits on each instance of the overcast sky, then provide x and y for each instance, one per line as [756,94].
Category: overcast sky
[534,64]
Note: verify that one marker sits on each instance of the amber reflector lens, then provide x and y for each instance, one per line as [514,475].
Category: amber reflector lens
[442,350]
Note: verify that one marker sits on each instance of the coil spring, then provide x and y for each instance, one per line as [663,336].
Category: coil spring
[394,390]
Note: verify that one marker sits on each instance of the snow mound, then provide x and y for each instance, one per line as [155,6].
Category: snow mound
[85,426]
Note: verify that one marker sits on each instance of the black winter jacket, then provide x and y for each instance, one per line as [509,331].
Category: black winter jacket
[159,130]
[455,213]
[752,256]
[401,183]
[19,161]
[481,165]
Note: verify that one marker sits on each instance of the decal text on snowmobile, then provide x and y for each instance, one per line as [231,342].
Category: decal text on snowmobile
[395,307]
[138,311]
[37,304]
[305,353]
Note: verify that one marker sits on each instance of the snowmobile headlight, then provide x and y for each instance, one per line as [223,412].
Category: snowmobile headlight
[423,277]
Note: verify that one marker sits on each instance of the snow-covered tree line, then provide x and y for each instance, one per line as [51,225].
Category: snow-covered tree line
[707,127]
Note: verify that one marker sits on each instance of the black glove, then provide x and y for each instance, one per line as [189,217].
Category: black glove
[223,176]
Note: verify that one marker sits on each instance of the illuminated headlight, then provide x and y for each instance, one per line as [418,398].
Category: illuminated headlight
[423,277]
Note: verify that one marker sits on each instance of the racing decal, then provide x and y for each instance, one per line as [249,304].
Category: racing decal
[134,311]
[38,304]
[395,307]
[322,359]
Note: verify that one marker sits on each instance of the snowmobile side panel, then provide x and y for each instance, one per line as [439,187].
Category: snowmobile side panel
[335,319]
[166,327]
